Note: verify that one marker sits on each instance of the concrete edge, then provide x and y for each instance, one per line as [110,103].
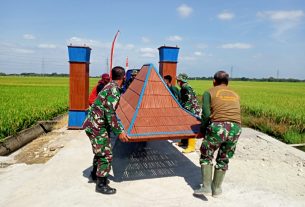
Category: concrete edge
[15,142]
[274,141]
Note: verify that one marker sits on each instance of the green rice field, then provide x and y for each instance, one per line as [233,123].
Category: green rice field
[275,108]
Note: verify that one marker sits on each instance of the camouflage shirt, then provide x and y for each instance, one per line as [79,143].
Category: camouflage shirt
[102,114]
[175,91]
[189,99]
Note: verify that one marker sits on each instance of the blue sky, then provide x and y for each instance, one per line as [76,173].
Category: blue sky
[255,38]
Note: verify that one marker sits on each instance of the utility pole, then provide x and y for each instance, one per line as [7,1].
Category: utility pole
[277,74]
[107,65]
[231,71]
[42,66]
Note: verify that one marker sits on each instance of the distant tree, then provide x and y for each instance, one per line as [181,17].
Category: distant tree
[270,79]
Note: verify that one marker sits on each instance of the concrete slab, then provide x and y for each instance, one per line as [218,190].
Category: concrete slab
[263,172]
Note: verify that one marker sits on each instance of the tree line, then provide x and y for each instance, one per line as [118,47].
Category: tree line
[270,79]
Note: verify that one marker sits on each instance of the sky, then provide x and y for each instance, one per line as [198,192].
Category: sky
[255,39]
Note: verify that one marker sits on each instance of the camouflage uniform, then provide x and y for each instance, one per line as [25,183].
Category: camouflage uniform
[175,91]
[189,99]
[100,120]
[222,135]
[189,102]
[221,124]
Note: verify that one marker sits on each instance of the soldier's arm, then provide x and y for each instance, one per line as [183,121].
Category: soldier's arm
[206,111]
[178,94]
[110,107]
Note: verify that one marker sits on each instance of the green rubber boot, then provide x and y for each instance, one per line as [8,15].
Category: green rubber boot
[206,171]
[217,181]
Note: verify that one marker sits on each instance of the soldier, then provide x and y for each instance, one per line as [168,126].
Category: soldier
[221,127]
[189,102]
[133,75]
[100,120]
[175,91]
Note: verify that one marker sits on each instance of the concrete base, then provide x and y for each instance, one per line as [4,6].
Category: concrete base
[155,159]
[262,173]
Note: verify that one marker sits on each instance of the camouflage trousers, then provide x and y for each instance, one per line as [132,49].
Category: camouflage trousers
[101,147]
[222,136]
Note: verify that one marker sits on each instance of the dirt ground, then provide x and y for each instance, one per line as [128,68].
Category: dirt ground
[44,147]
[53,170]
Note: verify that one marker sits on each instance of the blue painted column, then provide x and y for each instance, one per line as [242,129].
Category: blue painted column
[168,61]
[79,59]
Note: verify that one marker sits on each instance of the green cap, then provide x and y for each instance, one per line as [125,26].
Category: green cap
[182,77]
[134,72]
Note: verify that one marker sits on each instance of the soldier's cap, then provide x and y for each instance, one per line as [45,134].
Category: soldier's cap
[134,72]
[182,77]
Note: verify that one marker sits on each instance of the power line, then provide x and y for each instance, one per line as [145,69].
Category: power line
[232,71]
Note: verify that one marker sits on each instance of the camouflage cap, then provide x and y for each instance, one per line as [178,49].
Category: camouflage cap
[182,77]
[134,72]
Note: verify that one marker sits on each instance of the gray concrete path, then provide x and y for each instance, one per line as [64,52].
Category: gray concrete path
[264,172]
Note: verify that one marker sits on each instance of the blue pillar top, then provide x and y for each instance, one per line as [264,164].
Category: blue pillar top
[79,54]
[168,54]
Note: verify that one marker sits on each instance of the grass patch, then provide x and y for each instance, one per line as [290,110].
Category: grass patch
[281,129]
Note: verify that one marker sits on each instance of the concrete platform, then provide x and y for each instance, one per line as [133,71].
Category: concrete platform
[264,172]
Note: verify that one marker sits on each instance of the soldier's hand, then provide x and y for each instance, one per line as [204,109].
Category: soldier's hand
[199,135]
[123,137]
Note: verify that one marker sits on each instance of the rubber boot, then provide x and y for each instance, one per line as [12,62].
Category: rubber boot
[217,182]
[191,146]
[206,189]
[103,187]
[93,173]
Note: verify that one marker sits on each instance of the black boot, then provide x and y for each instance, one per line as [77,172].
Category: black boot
[94,168]
[93,173]
[103,187]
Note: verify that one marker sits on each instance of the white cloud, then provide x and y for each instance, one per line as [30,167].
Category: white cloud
[124,46]
[175,38]
[78,41]
[148,52]
[145,40]
[226,16]
[149,55]
[29,37]
[202,46]
[237,45]
[188,58]
[282,21]
[279,16]
[202,54]
[24,51]
[47,46]
[148,49]
[184,10]
[129,46]
[198,53]
[258,55]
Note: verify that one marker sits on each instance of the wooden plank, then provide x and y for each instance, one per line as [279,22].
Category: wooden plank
[79,86]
